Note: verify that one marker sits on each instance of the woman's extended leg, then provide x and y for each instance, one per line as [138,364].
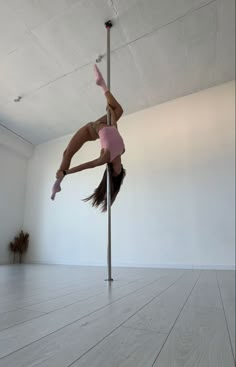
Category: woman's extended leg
[109,96]
[78,140]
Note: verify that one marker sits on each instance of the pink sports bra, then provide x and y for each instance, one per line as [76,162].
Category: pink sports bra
[111,140]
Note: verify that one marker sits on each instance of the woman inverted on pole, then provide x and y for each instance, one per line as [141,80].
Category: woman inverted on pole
[112,147]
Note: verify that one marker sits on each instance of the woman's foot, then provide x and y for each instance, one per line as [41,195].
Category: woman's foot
[56,188]
[99,79]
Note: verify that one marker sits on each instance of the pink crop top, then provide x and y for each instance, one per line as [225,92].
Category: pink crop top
[111,140]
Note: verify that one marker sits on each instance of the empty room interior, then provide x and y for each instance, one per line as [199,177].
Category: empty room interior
[117,183]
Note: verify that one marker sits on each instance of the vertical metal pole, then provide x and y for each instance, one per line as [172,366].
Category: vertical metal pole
[109,266]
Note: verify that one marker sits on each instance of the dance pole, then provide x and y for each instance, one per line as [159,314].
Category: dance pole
[108,26]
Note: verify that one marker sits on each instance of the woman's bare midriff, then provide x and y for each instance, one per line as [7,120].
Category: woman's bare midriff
[95,127]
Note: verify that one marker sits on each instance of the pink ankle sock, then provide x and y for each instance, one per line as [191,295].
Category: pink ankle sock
[99,79]
[56,188]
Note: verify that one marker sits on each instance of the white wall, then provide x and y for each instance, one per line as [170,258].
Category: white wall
[14,155]
[176,207]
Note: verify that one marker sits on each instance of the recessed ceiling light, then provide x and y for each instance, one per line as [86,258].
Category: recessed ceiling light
[18,99]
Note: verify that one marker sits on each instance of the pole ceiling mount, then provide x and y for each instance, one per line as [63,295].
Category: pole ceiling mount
[108,24]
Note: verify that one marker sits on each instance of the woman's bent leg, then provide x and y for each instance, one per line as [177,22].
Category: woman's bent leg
[82,136]
[78,140]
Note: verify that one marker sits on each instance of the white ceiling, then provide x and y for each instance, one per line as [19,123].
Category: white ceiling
[161,50]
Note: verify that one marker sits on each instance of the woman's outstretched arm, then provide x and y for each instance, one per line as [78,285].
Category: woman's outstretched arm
[103,159]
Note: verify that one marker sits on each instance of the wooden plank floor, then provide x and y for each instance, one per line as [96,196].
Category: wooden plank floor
[67,316]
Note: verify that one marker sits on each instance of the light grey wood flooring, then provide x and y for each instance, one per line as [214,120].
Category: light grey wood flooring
[61,316]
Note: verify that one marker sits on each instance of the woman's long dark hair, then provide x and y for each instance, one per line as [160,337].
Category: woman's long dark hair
[99,197]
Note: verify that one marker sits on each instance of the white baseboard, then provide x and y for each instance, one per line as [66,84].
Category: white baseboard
[154,266]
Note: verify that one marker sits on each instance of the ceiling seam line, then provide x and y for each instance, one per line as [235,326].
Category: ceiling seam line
[13,132]
[173,21]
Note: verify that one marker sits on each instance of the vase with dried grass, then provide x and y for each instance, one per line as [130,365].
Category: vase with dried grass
[19,246]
